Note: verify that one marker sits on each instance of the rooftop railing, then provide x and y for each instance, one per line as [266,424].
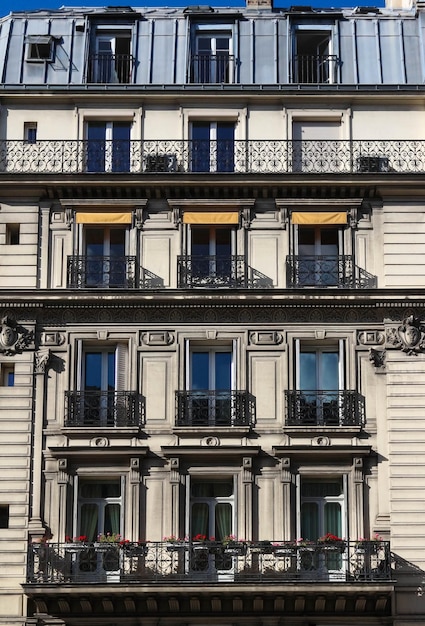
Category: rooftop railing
[327,271]
[212,68]
[315,68]
[324,408]
[197,562]
[110,68]
[219,271]
[168,156]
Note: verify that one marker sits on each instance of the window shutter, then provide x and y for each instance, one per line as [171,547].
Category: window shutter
[121,367]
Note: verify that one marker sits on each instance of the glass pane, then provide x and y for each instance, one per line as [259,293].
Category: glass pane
[200,241]
[225,147]
[95,241]
[121,147]
[308,379]
[329,241]
[111,371]
[96,490]
[214,489]
[333,521]
[223,370]
[306,241]
[309,521]
[96,131]
[200,370]
[93,371]
[200,519]
[117,242]
[316,489]
[89,521]
[222,44]
[204,45]
[112,519]
[223,242]
[223,520]
[328,378]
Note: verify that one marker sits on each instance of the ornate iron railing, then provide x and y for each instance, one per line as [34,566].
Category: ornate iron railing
[109,272]
[213,408]
[315,68]
[324,408]
[212,68]
[241,157]
[219,271]
[180,561]
[110,409]
[327,271]
[110,68]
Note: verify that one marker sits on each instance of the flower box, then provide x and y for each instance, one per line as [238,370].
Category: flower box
[235,548]
[74,548]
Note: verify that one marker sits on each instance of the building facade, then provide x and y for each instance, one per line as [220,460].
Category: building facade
[212,341]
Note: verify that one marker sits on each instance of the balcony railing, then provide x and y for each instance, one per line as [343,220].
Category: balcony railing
[109,272]
[315,68]
[110,68]
[327,271]
[244,562]
[212,68]
[110,409]
[219,271]
[213,408]
[167,156]
[324,408]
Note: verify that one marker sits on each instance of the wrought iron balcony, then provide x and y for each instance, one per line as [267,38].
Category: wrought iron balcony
[324,408]
[212,68]
[327,271]
[213,408]
[98,409]
[109,272]
[168,156]
[315,68]
[244,562]
[219,271]
[110,68]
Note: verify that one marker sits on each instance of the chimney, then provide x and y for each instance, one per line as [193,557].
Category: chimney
[259,5]
[397,5]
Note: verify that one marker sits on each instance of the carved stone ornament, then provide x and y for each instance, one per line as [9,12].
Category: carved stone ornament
[41,360]
[377,357]
[13,338]
[409,337]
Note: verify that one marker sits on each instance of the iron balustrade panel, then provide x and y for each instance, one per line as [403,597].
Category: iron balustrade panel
[110,409]
[315,68]
[112,272]
[212,68]
[213,408]
[360,157]
[352,562]
[219,271]
[110,68]
[324,408]
[326,271]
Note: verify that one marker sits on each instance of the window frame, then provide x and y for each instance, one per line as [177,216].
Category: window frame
[32,44]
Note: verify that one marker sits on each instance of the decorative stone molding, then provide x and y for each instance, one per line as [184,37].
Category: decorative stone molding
[210,441]
[174,470]
[100,442]
[157,338]
[409,337]
[42,358]
[134,470]
[13,338]
[265,338]
[285,470]
[52,339]
[321,441]
[247,476]
[370,338]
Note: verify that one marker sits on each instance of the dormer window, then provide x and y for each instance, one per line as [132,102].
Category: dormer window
[213,59]
[40,48]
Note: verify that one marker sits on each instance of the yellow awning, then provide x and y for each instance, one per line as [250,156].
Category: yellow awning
[225,217]
[103,218]
[331,217]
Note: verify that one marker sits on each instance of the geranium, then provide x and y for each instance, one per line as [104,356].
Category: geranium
[329,538]
[79,539]
[109,538]
[199,537]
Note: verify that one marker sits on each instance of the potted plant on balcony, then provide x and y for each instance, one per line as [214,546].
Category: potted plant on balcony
[285,548]
[261,547]
[134,548]
[174,543]
[332,543]
[75,544]
[107,542]
[368,546]
[233,546]
[199,543]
